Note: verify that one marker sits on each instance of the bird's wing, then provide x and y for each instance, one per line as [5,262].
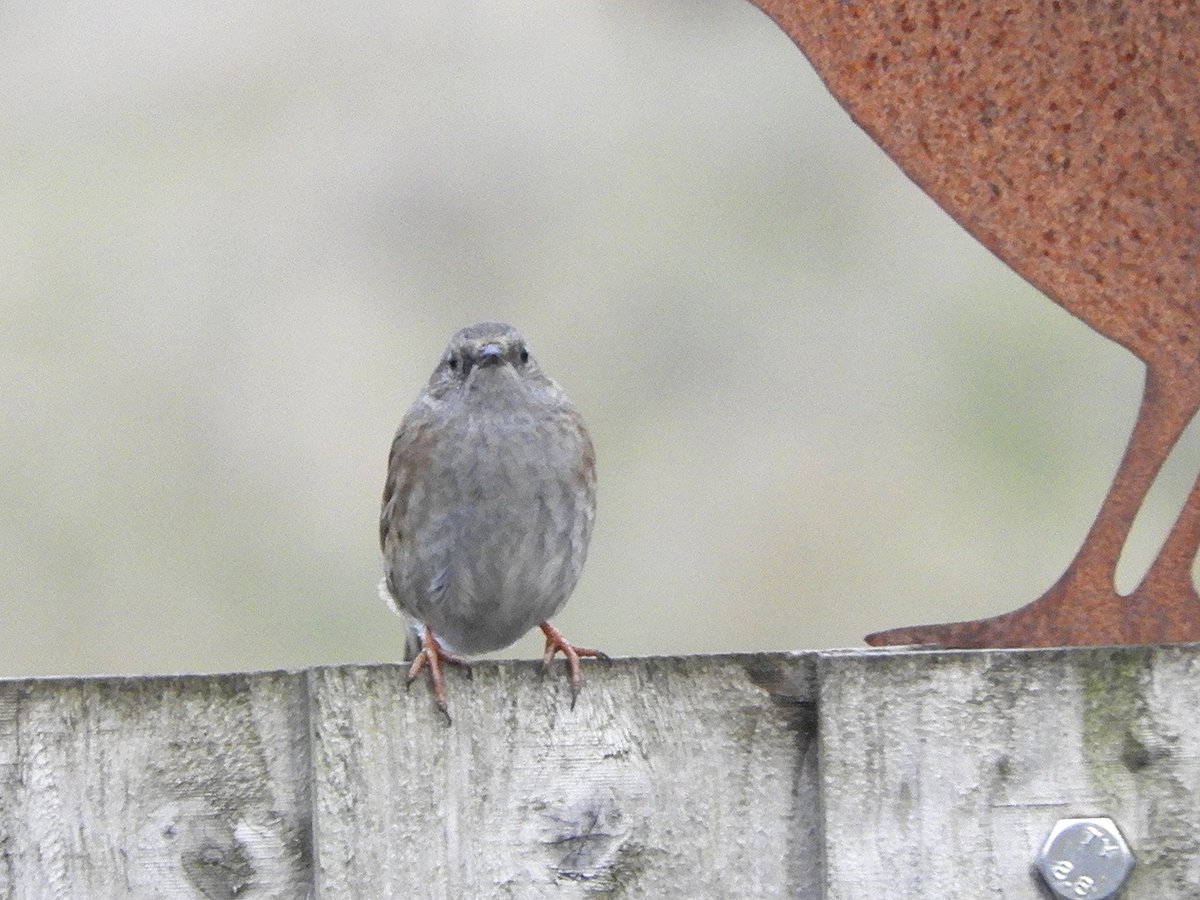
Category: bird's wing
[409,456]
[415,576]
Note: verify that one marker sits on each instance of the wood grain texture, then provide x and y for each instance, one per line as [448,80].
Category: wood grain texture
[943,772]
[838,774]
[188,787]
[674,777]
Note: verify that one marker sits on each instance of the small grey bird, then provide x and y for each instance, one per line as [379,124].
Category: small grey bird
[488,506]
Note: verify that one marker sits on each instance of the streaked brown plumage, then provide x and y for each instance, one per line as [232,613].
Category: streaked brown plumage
[488,505]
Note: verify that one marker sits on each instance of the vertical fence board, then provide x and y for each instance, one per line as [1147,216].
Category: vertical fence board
[189,787]
[671,777]
[943,772]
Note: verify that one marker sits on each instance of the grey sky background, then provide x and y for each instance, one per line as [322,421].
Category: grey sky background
[236,237]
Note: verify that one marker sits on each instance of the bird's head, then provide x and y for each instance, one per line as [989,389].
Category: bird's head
[486,354]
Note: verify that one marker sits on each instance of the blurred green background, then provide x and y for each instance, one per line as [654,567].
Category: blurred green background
[236,237]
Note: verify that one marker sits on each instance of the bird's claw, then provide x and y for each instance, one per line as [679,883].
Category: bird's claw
[430,658]
[556,643]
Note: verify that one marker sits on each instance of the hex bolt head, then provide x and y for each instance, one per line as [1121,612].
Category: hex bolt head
[1085,859]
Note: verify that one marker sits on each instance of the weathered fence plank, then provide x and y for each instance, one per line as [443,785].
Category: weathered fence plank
[839,775]
[943,772]
[154,787]
[687,777]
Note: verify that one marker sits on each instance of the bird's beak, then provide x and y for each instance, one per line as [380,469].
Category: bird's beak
[490,354]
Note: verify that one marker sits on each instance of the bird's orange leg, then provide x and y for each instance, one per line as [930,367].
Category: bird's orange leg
[431,657]
[556,643]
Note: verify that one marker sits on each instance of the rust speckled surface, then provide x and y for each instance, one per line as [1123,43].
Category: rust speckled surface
[1066,137]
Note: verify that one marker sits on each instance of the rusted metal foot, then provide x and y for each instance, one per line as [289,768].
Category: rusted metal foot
[431,657]
[1084,608]
[556,643]
[1066,615]
[1070,616]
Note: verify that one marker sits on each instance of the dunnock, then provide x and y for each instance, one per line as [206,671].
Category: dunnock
[488,506]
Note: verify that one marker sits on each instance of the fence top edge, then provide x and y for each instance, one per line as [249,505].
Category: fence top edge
[733,659]
[912,654]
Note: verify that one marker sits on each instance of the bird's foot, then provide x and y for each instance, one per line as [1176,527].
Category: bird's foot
[556,643]
[431,657]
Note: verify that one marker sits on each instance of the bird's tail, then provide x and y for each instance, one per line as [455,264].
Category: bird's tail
[412,636]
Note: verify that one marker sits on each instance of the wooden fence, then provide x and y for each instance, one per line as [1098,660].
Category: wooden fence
[928,774]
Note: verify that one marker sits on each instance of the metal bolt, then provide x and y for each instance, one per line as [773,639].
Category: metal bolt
[1085,859]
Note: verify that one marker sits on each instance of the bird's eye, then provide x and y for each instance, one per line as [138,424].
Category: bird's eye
[452,362]
[524,355]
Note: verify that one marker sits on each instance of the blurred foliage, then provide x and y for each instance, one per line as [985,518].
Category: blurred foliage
[237,236]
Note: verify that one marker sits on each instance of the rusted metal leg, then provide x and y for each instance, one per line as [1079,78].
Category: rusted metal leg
[1167,594]
[1083,607]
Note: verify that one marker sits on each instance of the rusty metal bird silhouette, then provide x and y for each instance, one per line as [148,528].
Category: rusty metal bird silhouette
[1065,136]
